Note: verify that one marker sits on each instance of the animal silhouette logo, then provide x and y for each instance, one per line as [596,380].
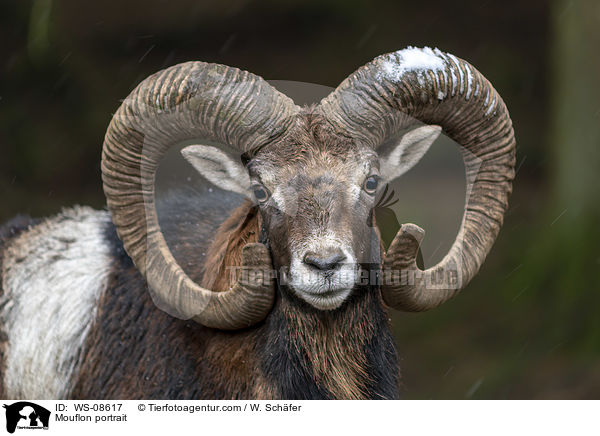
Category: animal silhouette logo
[26,415]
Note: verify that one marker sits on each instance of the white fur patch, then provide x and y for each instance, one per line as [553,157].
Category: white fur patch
[53,276]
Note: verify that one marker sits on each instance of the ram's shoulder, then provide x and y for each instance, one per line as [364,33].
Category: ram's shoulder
[14,227]
[74,232]
[53,273]
[69,246]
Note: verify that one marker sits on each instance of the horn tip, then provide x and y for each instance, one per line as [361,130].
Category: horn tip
[413,231]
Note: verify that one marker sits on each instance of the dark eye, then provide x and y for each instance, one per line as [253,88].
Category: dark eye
[261,193]
[371,184]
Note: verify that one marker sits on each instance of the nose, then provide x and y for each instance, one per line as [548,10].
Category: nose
[325,261]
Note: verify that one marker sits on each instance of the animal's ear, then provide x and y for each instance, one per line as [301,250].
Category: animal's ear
[411,148]
[218,168]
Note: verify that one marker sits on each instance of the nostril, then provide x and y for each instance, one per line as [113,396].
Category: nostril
[324,263]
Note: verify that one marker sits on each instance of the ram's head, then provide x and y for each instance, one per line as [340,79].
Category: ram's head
[313,173]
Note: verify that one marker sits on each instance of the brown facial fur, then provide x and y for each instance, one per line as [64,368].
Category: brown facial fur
[314,168]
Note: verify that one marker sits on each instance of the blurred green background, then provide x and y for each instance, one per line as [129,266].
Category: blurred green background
[528,326]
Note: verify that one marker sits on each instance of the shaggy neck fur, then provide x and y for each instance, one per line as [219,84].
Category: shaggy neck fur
[345,354]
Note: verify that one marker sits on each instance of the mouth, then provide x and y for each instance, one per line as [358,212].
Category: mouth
[327,299]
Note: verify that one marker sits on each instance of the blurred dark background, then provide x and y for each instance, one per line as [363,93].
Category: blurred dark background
[528,326]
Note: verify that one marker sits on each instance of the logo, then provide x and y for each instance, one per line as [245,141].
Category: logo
[26,415]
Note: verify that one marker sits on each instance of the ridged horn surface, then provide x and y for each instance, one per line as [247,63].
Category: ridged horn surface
[397,90]
[189,101]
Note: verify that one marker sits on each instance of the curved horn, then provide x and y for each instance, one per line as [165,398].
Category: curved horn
[187,101]
[392,92]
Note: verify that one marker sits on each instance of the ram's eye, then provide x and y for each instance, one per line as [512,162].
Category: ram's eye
[261,193]
[371,184]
